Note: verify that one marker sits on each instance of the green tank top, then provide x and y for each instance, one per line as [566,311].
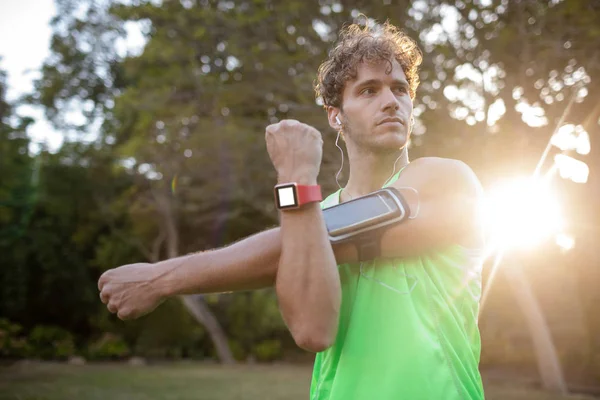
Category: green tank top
[407,329]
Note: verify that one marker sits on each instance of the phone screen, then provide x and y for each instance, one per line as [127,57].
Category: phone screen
[356,212]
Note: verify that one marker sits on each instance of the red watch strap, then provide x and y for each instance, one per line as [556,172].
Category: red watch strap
[308,194]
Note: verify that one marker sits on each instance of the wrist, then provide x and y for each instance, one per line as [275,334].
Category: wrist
[294,192]
[300,179]
[165,283]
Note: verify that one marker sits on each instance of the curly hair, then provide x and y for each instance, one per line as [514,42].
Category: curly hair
[371,44]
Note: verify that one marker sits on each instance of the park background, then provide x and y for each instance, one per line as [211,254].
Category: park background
[162,154]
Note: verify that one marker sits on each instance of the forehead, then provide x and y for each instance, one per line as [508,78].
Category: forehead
[379,70]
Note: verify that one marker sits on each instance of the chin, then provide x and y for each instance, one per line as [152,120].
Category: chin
[390,142]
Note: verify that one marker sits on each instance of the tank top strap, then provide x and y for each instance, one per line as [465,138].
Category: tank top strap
[395,177]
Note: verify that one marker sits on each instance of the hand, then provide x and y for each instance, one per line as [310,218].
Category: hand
[131,291]
[295,150]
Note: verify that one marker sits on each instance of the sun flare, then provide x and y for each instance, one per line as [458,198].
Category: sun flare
[521,213]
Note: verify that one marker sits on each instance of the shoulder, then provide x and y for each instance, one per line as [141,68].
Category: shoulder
[455,182]
[442,165]
[444,173]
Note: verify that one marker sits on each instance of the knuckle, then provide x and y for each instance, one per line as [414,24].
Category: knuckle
[274,129]
[103,280]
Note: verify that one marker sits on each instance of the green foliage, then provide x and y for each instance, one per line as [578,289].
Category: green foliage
[108,347]
[251,318]
[238,351]
[51,342]
[83,67]
[13,344]
[168,332]
[18,196]
[62,237]
[267,350]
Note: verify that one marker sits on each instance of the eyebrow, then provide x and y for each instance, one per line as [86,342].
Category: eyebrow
[395,82]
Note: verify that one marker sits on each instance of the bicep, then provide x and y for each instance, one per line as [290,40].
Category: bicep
[448,213]
[439,222]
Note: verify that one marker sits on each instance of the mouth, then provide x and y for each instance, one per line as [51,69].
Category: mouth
[391,120]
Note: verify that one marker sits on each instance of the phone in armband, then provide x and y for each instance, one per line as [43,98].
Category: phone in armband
[362,219]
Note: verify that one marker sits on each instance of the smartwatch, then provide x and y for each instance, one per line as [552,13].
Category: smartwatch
[292,195]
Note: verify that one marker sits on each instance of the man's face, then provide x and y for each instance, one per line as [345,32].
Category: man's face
[371,98]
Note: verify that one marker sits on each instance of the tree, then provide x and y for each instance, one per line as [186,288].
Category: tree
[17,198]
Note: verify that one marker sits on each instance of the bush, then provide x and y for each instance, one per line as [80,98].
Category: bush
[168,332]
[251,318]
[12,344]
[267,350]
[108,347]
[51,342]
[237,350]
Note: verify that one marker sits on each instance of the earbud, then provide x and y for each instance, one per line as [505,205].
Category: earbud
[338,119]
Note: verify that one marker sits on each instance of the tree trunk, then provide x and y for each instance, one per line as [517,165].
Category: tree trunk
[199,309]
[548,363]
[195,304]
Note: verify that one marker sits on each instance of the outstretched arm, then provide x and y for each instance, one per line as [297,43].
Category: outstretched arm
[134,290]
[245,265]
[447,215]
[447,204]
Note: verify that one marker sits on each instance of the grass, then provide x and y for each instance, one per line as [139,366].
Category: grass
[45,381]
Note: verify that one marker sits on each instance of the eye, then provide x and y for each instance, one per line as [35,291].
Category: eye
[366,90]
[402,89]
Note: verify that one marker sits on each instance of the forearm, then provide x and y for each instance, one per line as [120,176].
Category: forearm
[308,284]
[249,264]
[245,265]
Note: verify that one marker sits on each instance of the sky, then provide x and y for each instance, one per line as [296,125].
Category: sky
[24,44]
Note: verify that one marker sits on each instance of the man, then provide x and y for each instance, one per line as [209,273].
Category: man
[401,326]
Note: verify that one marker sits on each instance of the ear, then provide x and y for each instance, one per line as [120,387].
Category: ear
[335,118]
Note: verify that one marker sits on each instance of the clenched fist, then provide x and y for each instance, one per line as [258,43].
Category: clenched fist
[131,291]
[295,150]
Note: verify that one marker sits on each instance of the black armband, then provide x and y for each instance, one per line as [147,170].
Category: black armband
[363,220]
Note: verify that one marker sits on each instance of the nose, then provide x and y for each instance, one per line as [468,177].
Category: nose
[390,101]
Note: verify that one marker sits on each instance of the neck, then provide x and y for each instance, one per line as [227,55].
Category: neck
[369,171]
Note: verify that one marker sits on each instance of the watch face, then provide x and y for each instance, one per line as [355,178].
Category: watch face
[286,196]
